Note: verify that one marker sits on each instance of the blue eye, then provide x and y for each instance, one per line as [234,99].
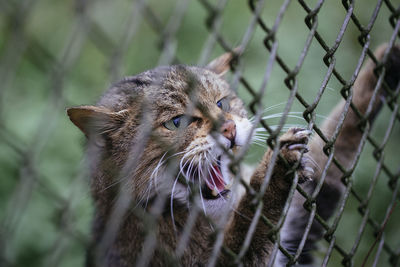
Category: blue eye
[224,104]
[178,122]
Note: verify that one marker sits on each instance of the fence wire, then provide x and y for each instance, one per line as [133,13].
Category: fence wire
[55,55]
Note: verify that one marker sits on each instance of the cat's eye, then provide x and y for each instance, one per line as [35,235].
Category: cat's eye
[178,122]
[224,104]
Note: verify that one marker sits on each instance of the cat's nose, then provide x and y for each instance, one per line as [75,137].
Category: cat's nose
[228,129]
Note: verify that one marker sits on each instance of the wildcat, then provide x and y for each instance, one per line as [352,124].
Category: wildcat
[166,140]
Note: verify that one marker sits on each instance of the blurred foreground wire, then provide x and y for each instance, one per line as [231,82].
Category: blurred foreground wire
[54,55]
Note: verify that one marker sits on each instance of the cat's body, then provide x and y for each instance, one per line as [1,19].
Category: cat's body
[153,136]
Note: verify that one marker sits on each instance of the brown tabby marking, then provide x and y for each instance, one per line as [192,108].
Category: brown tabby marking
[188,117]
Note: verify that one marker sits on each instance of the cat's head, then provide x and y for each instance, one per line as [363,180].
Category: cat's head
[170,129]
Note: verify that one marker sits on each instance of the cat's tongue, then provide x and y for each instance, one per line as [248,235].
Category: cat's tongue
[215,181]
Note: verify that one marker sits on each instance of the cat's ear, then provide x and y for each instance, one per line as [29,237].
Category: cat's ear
[94,120]
[221,64]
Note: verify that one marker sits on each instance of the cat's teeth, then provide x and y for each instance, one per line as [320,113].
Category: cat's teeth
[228,186]
[214,192]
[235,149]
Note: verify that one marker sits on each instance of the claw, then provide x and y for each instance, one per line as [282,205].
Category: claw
[305,179]
[303,133]
[228,186]
[309,169]
[298,147]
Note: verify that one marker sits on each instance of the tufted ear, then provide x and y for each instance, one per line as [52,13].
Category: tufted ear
[92,119]
[221,64]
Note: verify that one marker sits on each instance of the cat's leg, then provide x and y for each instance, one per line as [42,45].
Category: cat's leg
[293,145]
[345,150]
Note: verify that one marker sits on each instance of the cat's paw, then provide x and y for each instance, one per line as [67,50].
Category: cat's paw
[293,147]
[392,76]
[392,64]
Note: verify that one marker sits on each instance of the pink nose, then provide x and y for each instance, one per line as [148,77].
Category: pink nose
[228,129]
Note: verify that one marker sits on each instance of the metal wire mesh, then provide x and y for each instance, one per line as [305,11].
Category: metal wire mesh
[53,55]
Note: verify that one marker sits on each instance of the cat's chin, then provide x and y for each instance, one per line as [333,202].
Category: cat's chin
[214,207]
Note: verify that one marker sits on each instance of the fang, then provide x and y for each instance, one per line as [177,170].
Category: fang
[214,192]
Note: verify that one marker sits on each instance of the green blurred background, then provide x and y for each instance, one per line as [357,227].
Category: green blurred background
[56,54]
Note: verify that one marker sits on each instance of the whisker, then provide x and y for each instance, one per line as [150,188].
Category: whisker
[189,171]
[269,109]
[274,127]
[148,194]
[201,197]
[312,160]
[172,204]
[260,144]
[331,88]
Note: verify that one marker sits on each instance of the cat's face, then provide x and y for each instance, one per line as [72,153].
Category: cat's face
[202,126]
[176,126]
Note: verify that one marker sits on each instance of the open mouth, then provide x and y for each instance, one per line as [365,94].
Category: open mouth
[215,185]
[213,178]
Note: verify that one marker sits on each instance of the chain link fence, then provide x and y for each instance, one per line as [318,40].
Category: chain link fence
[300,57]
